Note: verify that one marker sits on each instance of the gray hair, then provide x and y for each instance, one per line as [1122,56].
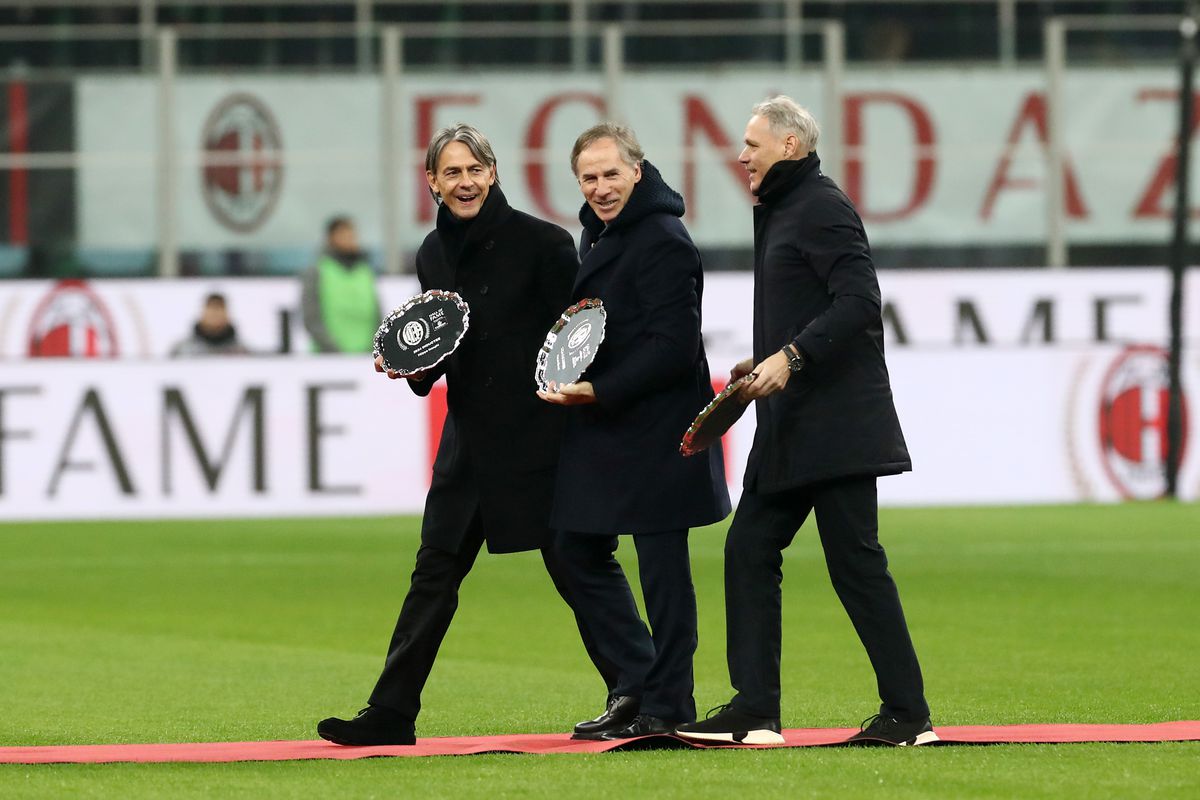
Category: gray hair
[786,116]
[623,135]
[475,141]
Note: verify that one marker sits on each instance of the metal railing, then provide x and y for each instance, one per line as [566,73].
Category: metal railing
[576,20]
[397,153]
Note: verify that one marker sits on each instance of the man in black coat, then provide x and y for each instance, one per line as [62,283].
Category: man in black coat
[621,470]
[493,477]
[827,428]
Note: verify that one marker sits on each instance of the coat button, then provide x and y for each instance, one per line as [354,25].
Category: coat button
[483,289]
[489,244]
[483,336]
[488,382]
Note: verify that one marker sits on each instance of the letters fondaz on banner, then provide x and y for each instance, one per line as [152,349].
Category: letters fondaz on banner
[929,156]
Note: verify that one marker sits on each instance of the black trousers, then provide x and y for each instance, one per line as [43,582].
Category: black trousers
[657,667]
[847,521]
[426,614]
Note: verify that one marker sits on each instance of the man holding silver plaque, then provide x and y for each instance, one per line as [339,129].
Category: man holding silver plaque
[622,472]
[493,477]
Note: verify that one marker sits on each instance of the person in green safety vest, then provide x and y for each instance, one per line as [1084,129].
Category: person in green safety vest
[338,298]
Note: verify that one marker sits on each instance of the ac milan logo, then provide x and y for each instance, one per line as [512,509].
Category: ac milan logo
[413,333]
[72,322]
[1133,422]
[242,172]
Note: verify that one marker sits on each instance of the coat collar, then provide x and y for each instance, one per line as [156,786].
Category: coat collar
[784,176]
[468,233]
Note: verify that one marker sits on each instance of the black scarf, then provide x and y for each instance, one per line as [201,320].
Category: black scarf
[452,231]
[785,175]
[222,337]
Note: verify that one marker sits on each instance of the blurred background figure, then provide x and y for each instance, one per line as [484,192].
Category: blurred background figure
[339,299]
[213,334]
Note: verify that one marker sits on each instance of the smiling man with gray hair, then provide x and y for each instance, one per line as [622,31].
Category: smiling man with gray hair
[827,428]
[493,477]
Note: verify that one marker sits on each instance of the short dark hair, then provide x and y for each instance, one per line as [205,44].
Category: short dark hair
[214,298]
[339,221]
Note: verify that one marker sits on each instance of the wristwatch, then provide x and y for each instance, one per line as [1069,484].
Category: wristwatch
[794,357]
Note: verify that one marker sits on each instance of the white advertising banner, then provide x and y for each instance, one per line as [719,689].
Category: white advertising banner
[209,437]
[326,435]
[140,318]
[929,156]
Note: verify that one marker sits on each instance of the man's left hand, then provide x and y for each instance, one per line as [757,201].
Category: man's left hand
[770,376]
[573,394]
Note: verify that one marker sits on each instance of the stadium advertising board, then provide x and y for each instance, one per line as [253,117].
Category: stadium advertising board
[976,309]
[1012,387]
[930,156]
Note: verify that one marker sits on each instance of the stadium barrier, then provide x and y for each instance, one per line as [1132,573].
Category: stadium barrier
[1014,387]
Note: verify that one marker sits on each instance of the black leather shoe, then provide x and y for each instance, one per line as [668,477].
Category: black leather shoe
[642,725]
[372,726]
[621,711]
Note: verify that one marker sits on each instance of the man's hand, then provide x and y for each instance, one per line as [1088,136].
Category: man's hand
[770,377]
[742,368]
[573,394]
[416,376]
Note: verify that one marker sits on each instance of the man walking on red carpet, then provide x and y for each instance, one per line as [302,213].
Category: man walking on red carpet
[827,427]
[493,478]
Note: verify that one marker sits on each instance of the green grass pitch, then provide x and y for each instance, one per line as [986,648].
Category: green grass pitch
[250,630]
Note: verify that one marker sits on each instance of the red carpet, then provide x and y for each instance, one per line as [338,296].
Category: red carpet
[561,743]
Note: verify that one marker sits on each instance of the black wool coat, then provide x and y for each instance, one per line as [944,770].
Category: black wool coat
[621,470]
[500,442]
[815,286]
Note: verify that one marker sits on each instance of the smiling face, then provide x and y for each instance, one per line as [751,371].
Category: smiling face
[763,149]
[462,180]
[605,179]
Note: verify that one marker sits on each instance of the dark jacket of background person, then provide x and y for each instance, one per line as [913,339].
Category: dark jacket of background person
[621,470]
[339,304]
[500,440]
[210,343]
[815,286]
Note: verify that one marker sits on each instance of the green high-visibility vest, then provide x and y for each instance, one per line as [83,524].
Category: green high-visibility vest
[349,306]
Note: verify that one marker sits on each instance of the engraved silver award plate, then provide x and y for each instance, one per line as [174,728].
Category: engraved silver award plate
[715,419]
[571,345]
[423,332]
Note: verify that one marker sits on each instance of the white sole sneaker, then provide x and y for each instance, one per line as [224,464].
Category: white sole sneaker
[928,737]
[760,736]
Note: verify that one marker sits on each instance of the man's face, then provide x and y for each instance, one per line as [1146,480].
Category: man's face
[605,180]
[763,149]
[214,318]
[344,239]
[462,180]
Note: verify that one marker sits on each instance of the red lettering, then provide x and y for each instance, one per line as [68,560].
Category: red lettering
[535,149]
[925,140]
[1033,112]
[427,107]
[1151,205]
[699,119]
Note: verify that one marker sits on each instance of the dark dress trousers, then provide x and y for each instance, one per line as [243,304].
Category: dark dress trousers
[493,477]
[820,443]
[621,471]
